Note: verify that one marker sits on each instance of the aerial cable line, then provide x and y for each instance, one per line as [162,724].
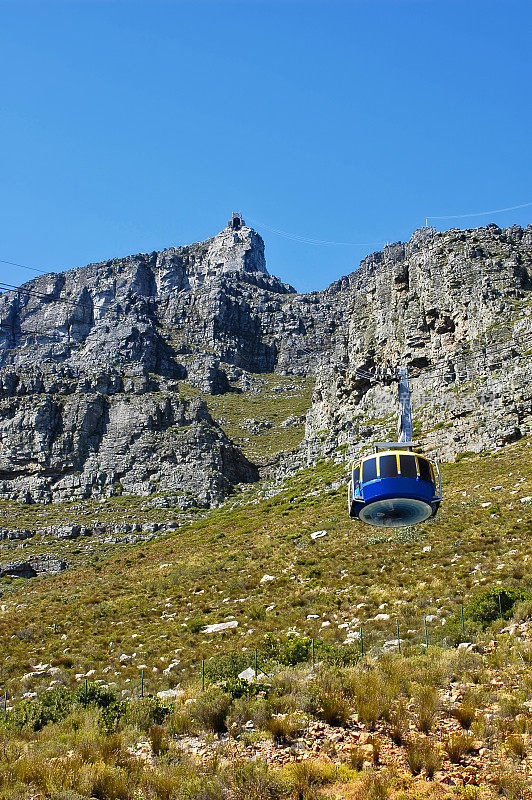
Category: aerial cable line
[472,355]
[20,332]
[6,288]
[308,240]
[458,356]
[466,376]
[467,367]
[25,266]
[486,347]
[478,213]
[481,347]
[466,372]
[9,287]
[458,371]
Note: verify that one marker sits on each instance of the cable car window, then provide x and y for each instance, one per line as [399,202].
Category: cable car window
[424,470]
[369,470]
[388,466]
[408,466]
[356,474]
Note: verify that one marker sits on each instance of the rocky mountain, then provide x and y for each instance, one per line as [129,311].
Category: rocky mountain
[105,369]
[454,308]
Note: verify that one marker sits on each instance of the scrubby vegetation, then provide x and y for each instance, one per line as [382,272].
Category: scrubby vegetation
[301,725]
[367,721]
[266,420]
[148,604]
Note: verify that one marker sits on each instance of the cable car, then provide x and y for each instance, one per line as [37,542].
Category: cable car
[394,487]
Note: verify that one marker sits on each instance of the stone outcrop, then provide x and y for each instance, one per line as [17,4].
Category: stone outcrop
[80,444]
[454,308]
[45,564]
[92,360]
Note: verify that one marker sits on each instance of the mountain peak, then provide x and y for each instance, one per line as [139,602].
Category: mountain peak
[236,248]
[99,363]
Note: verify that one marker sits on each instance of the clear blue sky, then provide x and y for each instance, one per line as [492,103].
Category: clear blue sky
[130,125]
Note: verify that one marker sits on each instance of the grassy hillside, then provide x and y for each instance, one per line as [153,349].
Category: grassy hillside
[151,601]
[265,421]
[444,723]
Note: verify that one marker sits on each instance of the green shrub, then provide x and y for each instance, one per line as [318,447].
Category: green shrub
[246,709]
[356,757]
[464,454]
[465,714]
[55,704]
[226,667]
[52,705]
[415,757]
[374,786]
[376,750]
[240,688]
[334,708]
[458,745]
[195,624]
[523,611]
[93,694]
[180,720]
[374,696]
[432,761]
[285,727]
[338,655]
[304,778]
[511,705]
[62,661]
[111,716]
[211,709]
[173,782]
[515,744]
[256,611]
[147,712]
[398,723]
[421,754]
[467,792]
[289,651]
[525,653]
[158,740]
[485,609]
[294,650]
[110,748]
[254,781]
[106,781]
[510,783]
[427,704]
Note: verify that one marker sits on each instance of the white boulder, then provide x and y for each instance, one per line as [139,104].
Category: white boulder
[220,626]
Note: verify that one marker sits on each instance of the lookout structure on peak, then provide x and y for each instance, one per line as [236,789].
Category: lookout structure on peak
[236,222]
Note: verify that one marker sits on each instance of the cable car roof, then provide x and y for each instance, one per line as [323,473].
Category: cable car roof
[391,453]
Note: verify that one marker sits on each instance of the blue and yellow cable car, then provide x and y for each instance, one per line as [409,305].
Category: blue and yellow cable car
[394,487]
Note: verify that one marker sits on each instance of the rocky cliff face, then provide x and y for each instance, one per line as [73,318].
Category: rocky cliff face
[455,309]
[92,360]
